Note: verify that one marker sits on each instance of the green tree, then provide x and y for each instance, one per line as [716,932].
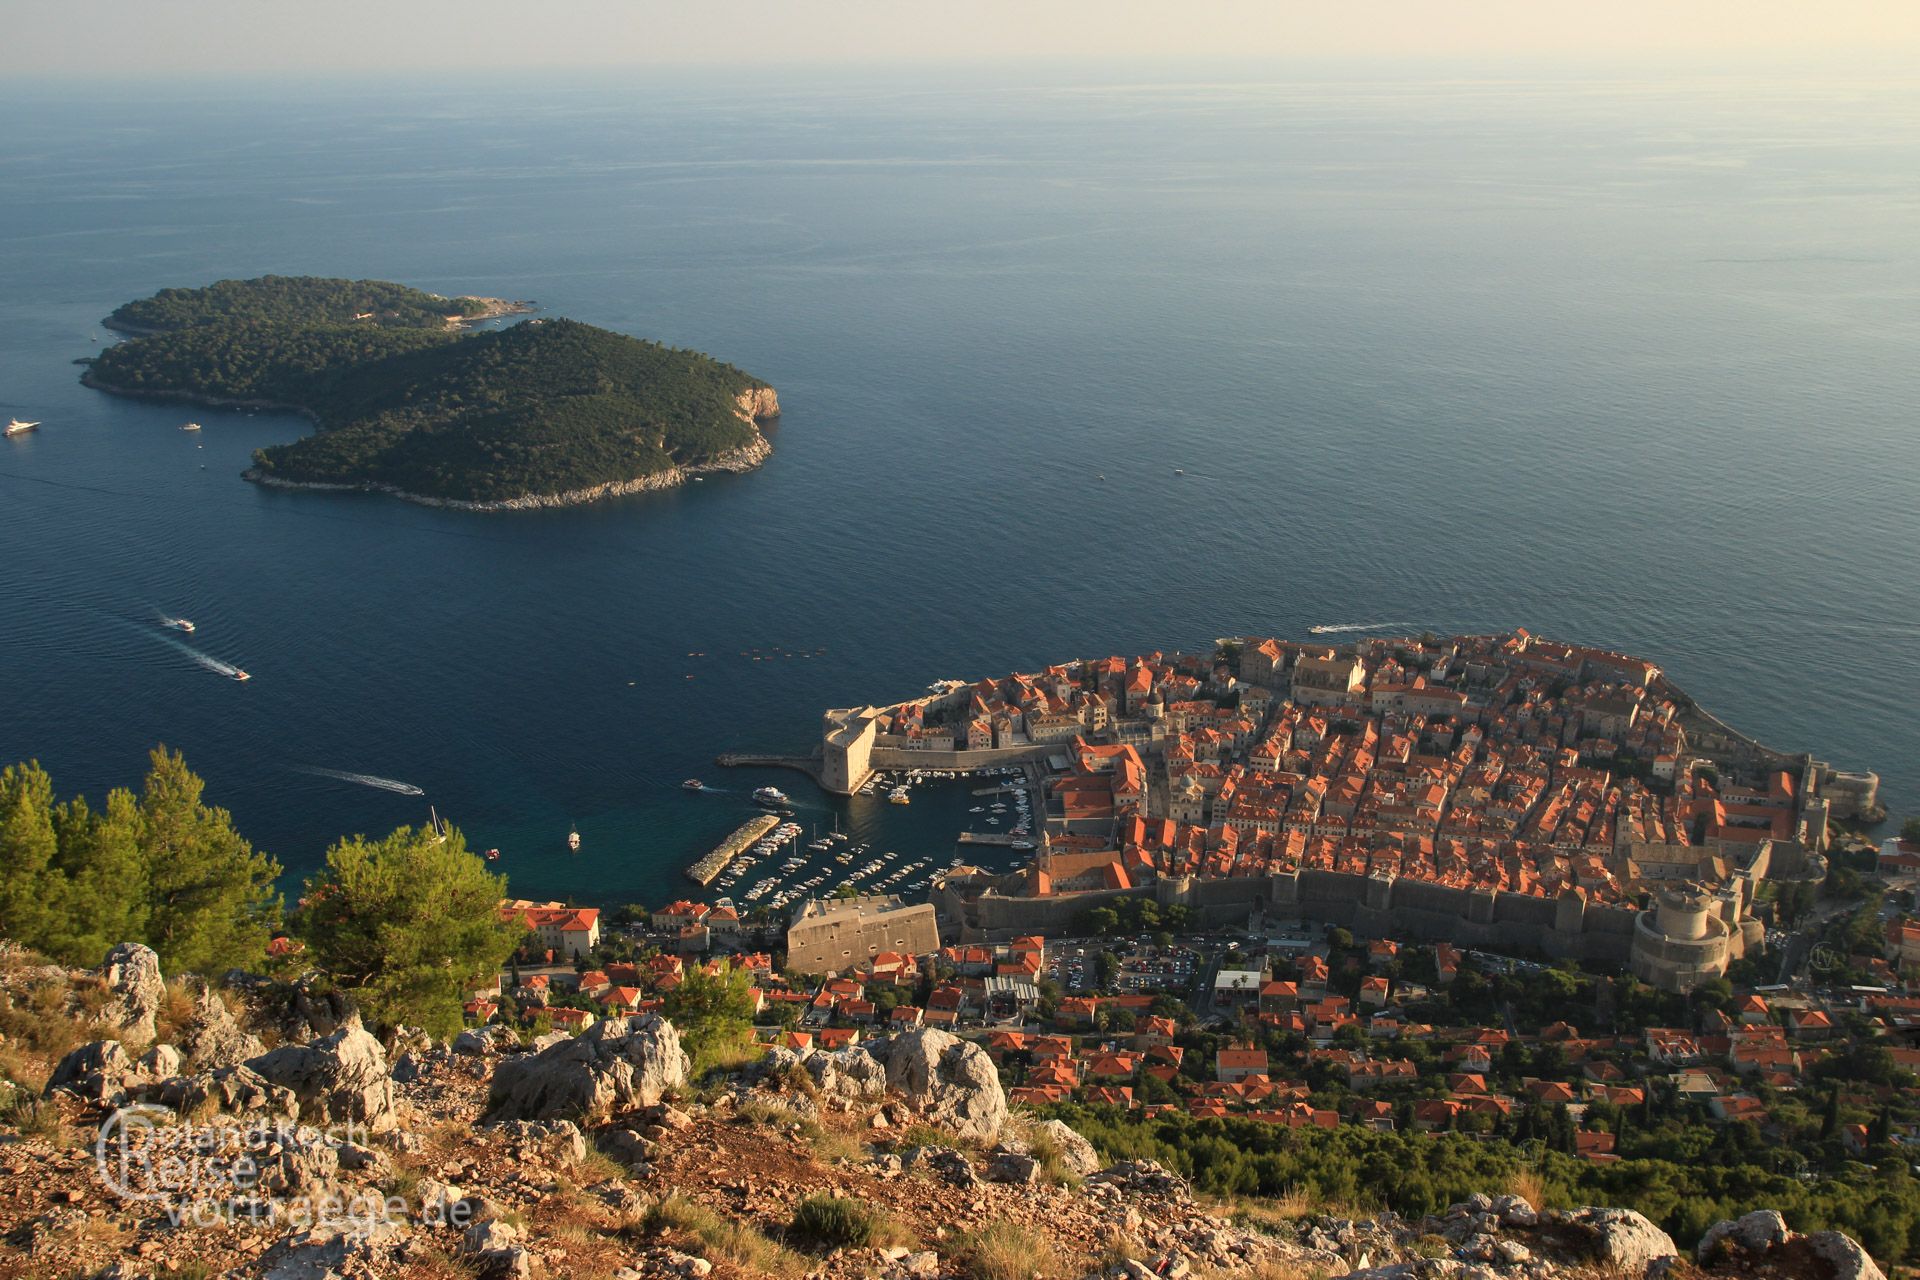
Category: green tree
[408,925]
[212,904]
[27,850]
[104,879]
[1910,829]
[712,1012]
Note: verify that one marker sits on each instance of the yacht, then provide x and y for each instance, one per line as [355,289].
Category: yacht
[17,427]
[899,796]
[189,426]
[179,624]
[770,795]
[693,784]
[573,840]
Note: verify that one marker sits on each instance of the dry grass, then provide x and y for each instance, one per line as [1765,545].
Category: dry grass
[1053,1162]
[928,1135]
[1530,1186]
[1007,1251]
[53,1017]
[31,1117]
[737,1242]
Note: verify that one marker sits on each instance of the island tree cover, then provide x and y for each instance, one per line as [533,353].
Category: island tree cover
[293,300]
[407,925]
[542,407]
[161,868]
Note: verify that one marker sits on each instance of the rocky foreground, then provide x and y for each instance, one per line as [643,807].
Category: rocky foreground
[260,1130]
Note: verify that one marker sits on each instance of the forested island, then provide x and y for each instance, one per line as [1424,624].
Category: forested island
[410,401]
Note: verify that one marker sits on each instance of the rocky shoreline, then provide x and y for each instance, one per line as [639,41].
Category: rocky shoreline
[743,459]
[756,405]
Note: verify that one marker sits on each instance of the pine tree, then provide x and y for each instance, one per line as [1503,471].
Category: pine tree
[102,880]
[408,925]
[27,850]
[212,904]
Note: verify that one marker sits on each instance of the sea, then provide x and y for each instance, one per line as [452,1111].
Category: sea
[1074,362]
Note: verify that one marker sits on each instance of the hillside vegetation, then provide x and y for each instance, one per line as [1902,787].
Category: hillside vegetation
[546,407]
[293,300]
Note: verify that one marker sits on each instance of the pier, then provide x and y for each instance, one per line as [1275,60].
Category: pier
[809,765]
[1004,789]
[704,871]
[994,837]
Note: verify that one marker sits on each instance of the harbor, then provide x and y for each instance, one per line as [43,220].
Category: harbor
[708,869]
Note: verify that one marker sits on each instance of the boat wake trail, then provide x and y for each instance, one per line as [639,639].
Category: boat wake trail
[206,660]
[365,780]
[1337,628]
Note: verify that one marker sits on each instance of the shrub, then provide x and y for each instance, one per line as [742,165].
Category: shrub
[833,1222]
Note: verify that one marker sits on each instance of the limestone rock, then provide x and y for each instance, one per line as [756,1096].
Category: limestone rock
[1761,1229]
[212,1037]
[481,1042]
[1623,1239]
[950,1081]
[133,971]
[330,1253]
[852,1074]
[337,1078]
[234,1090]
[1074,1151]
[617,1064]
[1845,1257]
[1012,1167]
[99,1072]
[161,1061]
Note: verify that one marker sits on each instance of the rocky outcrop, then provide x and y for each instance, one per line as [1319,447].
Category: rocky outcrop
[212,1037]
[1622,1239]
[616,1065]
[950,1081]
[338,1078]
[1074,1152]
[100,1072]
[1761,1243]
[483,1042]
[132,971]
[235,1090]
[851,1074]
[758,404]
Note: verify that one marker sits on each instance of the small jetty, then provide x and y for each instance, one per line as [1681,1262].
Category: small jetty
[704,871]
[993,837]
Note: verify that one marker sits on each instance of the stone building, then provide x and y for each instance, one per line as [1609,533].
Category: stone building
[834,935]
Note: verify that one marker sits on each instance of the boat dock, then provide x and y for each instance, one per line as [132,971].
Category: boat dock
[1002,789]
[992,837]
[704,871]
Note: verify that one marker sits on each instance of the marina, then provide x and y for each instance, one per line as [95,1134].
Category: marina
[709,868]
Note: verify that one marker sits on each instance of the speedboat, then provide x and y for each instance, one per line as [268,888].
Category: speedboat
[179,624]
[17,427]
[493,855]
[189,426]
[573,840]
[238,674]
[693,784]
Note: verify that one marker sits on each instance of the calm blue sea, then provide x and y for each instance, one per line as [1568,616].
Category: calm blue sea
[1629,361]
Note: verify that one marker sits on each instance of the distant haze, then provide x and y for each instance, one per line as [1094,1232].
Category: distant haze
[212,37]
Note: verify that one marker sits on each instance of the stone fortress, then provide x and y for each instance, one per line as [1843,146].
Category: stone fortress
[1501,792]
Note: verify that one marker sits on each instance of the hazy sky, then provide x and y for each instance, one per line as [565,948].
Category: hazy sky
[210,37]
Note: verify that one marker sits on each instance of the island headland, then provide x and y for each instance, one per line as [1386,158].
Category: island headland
[411,401]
